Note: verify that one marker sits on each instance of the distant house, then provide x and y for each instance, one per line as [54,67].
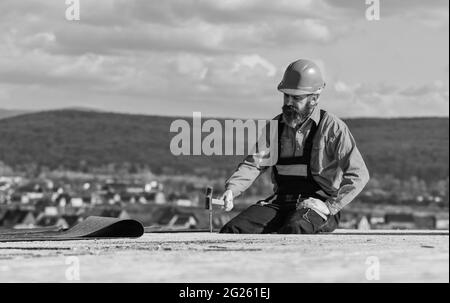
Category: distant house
[41,204]
[363,223]
[184,202]
[153,186]
[76,202]
[115,213]
[135,189]
[155,197]
[442,221]
[95,198]
[46,220]
[18,218]
[173,217]
[72,220]
[62,199]
[425,221]
[442,224]
[349,220]
[87,199]
[114,187]
[376,219]
[4,185]
[183,221]
[29,192]
[51,211]
[115,192]
[177,217]
[3,197]
[399,221]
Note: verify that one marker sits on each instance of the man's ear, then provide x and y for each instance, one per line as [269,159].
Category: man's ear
[313,99]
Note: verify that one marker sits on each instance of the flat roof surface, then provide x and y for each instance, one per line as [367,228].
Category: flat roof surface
[344,256]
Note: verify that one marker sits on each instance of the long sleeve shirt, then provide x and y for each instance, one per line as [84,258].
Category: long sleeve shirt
[336,163]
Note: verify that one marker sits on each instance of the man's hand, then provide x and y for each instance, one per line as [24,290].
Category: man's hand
[317,205]
[227,197]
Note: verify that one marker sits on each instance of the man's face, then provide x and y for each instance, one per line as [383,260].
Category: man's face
[296,109]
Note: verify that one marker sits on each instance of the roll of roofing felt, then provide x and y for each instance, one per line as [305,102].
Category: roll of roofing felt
[163,230]
[91,228]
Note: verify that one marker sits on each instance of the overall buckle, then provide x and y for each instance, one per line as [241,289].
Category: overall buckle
[299,204]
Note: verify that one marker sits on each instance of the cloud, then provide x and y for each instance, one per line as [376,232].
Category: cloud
[252,62]
[3,94]
[191,66]
[219,55]
[363,99]
[435,19]
[435,87]
[222,12]
[392,7]
[433,14]
[215,78]
[117,27]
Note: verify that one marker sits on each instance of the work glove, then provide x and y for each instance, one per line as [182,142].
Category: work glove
[315,204]
[227,197]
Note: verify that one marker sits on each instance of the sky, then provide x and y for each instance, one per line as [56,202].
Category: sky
[224,58]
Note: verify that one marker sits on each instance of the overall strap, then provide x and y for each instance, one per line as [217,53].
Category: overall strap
[308,142]
[303,183]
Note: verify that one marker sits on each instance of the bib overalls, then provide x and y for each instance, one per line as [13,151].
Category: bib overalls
[279,213]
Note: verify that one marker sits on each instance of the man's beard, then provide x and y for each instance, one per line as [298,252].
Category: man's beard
[293,117]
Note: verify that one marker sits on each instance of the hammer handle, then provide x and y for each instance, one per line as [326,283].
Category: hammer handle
[217,202]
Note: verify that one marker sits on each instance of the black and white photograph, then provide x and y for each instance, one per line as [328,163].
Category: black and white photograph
[224,147]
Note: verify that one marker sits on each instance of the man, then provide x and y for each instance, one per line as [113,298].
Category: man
[319,169]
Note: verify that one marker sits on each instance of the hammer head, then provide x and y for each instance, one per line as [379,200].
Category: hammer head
[208,198]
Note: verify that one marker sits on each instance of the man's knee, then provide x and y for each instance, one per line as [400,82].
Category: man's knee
[236,226]
[331,224]
[297,227]
[302,222]
[229,228]
[253,220]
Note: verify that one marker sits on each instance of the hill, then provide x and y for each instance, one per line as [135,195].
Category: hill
[83,140]
[6,113]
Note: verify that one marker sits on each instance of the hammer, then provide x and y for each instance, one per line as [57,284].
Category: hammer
[209,201]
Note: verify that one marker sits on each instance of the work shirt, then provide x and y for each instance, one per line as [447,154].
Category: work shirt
[336,163]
